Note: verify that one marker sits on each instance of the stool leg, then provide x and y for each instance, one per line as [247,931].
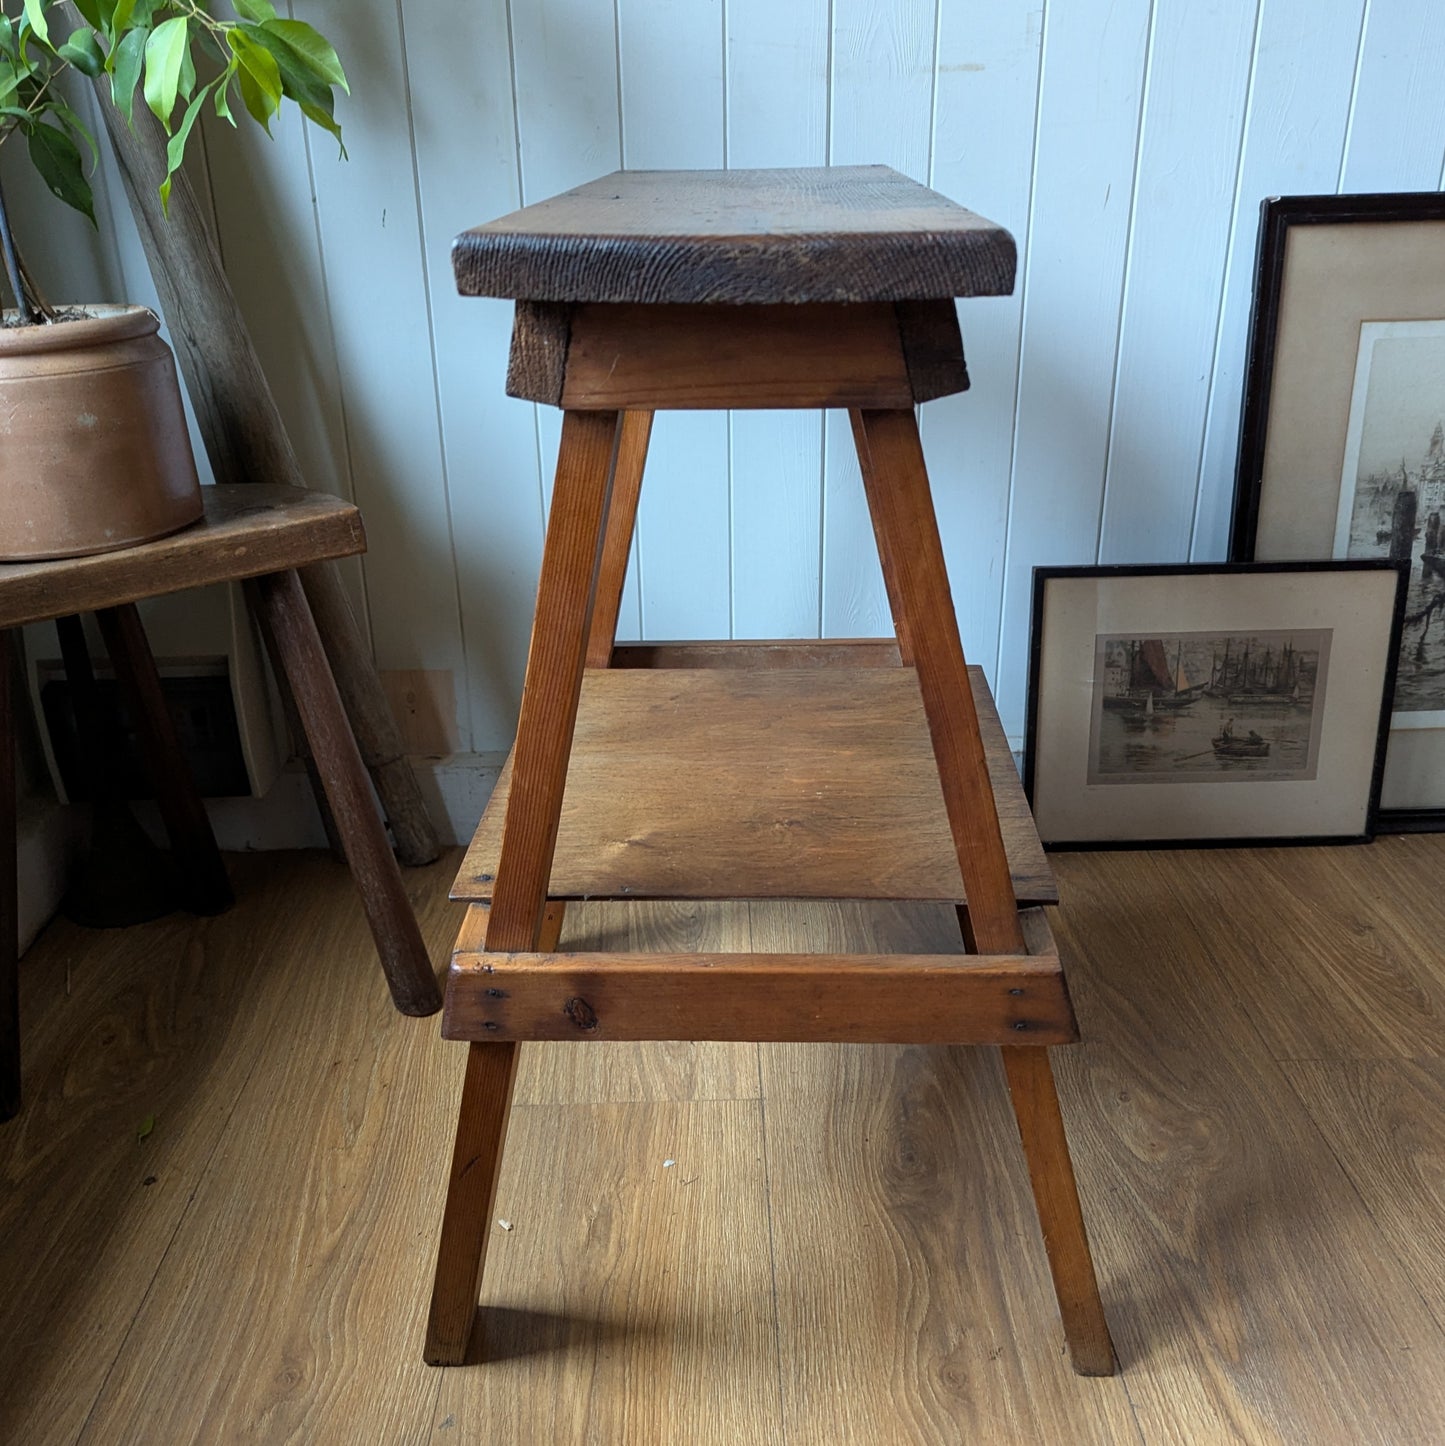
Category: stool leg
[193,842]
[896,482]
[295,646]
[9,896]
[571,558]
[633,437]
[1056,1198]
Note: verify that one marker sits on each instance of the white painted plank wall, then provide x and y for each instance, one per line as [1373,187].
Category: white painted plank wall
[1126,143]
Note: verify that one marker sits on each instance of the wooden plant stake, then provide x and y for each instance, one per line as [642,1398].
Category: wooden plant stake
[247,442]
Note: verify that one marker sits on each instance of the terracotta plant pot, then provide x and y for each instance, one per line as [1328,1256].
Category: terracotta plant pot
[94,453]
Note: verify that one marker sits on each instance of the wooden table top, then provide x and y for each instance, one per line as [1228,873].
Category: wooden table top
[816,234]
[247,530]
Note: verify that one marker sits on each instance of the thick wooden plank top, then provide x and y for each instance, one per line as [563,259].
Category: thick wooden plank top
[247,530]
[825,233]
[792,783]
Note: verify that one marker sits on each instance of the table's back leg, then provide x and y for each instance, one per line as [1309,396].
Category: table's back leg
[9,897]
[561,628]
[896,482]
[633,437]
[193,842]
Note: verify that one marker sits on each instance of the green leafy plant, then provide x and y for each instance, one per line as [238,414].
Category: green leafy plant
[176,55]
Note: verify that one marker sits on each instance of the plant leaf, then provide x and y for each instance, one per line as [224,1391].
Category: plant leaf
[323,118]
[56,157]
[259,10]
[259,76]
[314,50]
[223,86]
[125,62]
[121,16]
[35,14]
[76,127]
[176,146]
[83,51]
[188,71]
[165,50]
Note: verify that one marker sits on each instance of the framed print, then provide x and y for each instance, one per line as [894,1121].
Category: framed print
[1342,442]
[1210,704]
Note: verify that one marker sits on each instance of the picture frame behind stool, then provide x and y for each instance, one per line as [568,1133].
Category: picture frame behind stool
[1344,414]
[1210,704]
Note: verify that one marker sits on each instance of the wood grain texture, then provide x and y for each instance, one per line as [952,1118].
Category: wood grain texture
[570,561]
[932,348]
[270,1283]
[482,1116]
[630,1300]
[721,783]
[769,653]
[896,482]
[632,439]
[832,997]
[280,602]
[246,531]
[9,899]
[913,1296]
[264,1179]
[824,234]
[699,358]
[193,842]
[537,361]
[1245,1276]
[1346,936]
[618,1071]
[1385,1121]
[1056,1199]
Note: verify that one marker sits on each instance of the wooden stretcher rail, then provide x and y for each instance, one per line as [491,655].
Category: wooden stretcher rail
[892,998]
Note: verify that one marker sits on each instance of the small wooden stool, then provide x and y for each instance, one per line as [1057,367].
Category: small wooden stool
[704,771]
[261,534]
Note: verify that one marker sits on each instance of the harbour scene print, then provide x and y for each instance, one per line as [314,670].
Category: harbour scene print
[1207,706]
[1392,494]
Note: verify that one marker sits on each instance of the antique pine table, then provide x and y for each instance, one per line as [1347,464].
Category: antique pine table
[661,771]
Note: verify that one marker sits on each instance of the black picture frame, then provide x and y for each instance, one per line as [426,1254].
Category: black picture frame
[1392,601]
[1281,219]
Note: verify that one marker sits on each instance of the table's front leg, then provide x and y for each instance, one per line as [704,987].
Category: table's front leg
[561,627]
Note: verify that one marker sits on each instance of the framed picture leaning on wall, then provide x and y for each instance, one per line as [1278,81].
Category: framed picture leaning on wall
[1210,704]
[1342,439]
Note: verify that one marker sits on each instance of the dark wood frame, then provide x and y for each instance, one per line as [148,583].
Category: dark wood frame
[1278,214]
[1042,577]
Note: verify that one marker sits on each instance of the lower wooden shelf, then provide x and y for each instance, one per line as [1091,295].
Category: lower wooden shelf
[743,783]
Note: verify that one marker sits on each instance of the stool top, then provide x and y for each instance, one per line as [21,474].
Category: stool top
[821,234]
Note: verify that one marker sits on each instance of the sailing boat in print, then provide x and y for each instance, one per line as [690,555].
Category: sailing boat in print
[1143,681]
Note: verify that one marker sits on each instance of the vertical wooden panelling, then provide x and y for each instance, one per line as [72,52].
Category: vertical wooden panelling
[1397,121]
[1189,150]
[672,116]
[1120,355]
[376,279]
[777,115]
[459,67]
[261,195]
[1071,280]
[984,115]
[1299,103]
[880,111]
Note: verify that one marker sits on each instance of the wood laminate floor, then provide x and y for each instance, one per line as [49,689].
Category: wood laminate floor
[220,1204]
